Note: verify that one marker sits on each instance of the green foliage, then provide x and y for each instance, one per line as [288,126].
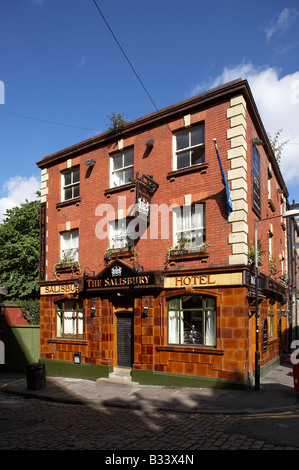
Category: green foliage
[19,251]
[31,311]
[276,146]
[251,255]
[116,121]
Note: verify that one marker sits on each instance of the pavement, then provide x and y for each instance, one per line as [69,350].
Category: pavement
[276,393]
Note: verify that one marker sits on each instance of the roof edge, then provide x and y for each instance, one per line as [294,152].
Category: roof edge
[108,136]
[230,89]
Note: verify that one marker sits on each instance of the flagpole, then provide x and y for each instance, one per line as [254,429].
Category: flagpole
[224,180]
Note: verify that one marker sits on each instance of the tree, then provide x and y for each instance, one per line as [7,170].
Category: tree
[19,251]
[116,121]
[276,146]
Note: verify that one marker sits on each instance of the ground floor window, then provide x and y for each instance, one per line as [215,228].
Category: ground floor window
[192,320]
[69,319]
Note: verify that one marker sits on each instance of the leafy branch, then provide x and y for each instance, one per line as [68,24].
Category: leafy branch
[276,146]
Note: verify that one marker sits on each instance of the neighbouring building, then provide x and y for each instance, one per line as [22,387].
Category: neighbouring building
[147,236]
[292,278]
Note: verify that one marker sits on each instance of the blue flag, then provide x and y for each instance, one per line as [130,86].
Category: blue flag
[225,182]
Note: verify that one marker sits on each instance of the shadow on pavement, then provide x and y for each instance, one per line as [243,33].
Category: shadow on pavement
[147,417]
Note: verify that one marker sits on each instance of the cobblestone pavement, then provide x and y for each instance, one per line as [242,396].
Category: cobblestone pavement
[32,424]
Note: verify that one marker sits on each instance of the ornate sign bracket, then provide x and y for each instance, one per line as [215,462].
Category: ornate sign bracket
[145,188]
[148,182]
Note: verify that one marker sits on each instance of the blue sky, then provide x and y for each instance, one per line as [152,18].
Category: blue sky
[63,73]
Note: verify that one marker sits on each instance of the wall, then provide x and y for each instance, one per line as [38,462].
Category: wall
[151,250]
[22,347]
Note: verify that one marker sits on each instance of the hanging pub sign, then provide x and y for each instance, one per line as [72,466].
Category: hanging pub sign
[120,275]
[256,183]
[145,187]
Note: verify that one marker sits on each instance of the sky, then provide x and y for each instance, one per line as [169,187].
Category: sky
[66,65]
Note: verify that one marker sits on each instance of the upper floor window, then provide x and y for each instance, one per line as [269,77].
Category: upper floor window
[69,246]
[122,170]
[70,184]
[189,147]
[69,319]
[121,234]
[192,320]
[189,226]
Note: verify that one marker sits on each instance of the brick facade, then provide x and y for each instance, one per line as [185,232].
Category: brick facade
[221,272]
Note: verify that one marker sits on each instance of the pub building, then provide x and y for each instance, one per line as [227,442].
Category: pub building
[147,260]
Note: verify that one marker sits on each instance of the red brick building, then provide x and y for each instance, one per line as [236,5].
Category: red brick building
[144,265]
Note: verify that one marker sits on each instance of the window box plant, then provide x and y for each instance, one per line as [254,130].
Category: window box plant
[187,250]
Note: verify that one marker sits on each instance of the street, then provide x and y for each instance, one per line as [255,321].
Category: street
[34,424]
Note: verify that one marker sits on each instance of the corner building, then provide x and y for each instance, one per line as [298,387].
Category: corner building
[147,260]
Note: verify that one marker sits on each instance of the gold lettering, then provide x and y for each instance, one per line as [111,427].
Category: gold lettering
[146,279]
[59,289]
[190,280]
[203,280]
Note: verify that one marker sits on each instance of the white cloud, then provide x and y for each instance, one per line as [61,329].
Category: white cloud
[277,100]
[283,22]
[18,189]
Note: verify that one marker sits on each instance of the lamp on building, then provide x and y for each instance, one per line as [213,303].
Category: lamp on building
[90,162]
[145,308]
[257,141]
[86,274]
[150,143]
[290,213]
[93,308]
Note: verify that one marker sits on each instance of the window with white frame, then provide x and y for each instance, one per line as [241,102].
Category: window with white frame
[69,246]
[121,233]
[70,182]
[122,168]
[189,146]
[189,226]
[192,320]
[69,319]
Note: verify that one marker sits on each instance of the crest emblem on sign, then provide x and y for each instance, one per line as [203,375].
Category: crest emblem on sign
[116,271]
